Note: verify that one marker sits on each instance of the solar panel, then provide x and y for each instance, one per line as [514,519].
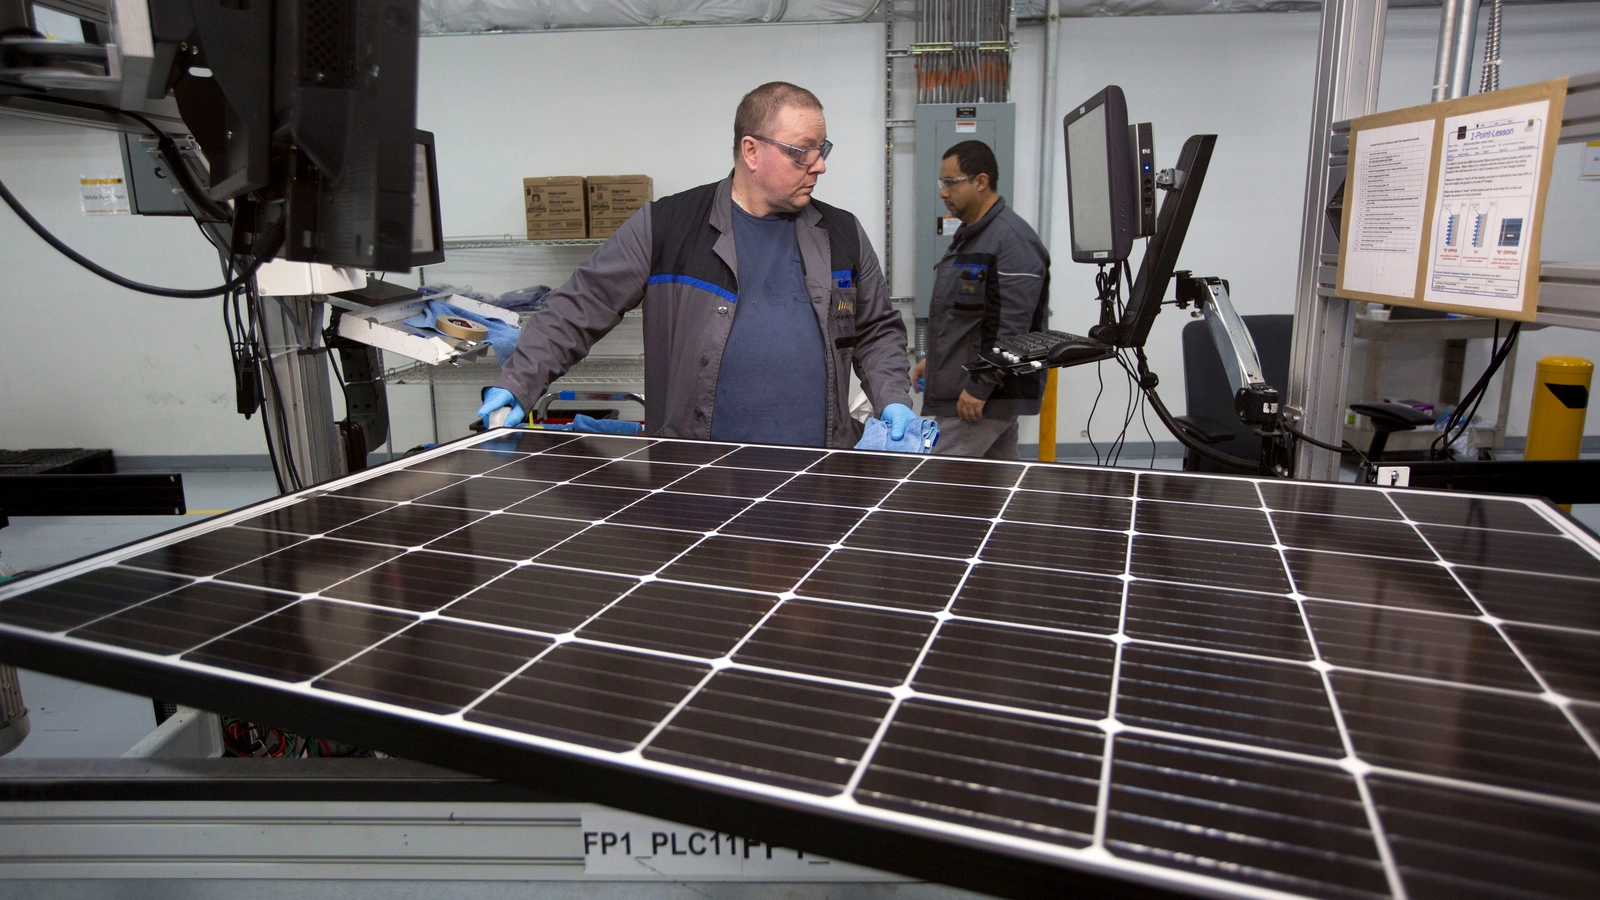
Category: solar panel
[1015,677]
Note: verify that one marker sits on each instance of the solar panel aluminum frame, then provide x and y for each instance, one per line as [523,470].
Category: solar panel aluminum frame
[835,826]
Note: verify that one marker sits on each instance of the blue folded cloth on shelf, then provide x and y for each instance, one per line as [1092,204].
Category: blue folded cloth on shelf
[591,425]
[921,435]
[502,335]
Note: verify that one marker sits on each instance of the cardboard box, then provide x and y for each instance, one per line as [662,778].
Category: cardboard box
[614,198]
[554,207]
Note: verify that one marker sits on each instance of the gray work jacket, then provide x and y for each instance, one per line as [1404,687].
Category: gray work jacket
[676,256]
[994,281]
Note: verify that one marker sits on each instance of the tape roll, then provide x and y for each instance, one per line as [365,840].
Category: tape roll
[457,327]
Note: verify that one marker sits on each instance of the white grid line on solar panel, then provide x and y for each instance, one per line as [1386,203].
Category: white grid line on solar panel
[1352,762]
[1242,745]
[728,658]
[916,666]
[1112,861]
[1103,798]
[1592,740]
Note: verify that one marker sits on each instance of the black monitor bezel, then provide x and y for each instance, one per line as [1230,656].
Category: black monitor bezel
[436,255]
[1121,181]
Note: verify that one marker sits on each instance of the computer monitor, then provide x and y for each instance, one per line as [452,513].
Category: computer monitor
[427,233]
[303,106]
[1101,187]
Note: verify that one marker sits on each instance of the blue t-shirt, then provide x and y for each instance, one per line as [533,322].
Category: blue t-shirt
[773,384]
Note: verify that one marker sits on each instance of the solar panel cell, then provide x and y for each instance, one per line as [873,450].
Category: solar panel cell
[546,467]
[507,536]
[1222,523]
[1525,597]
[1453,844]
[526,441]
[691,453]
[418,582]
[310,565]
[1407,585]
[1284,825]
[407,526]
[769,566]
[1077,510]
[834,641]
[1214,619]
[964,471]
[989,770]
[214,551]
[485,493]
[781,731]
[1473,512]
[592,696]
[832,490]
[1443,648]
[183,619]
[1542,554]
[1515,741]
[398,486]
[1245,567]
[778,459]
[794,522]
[686,512]
[436,666]
[467,462]
[1327,500]
[541,598]
[571,501]
[1073,480]
[599,446]
[904,582]
[749,483]
[947,500]
[642,476]
[84,598]
[1051,599]
[925,535]
[301,641]
[865,465]
[1053,673]
[1568,660]
[317,515]
[622,549]
[1264,704]
[1215,491]
[680,618]
[1076,549]
[1344,535]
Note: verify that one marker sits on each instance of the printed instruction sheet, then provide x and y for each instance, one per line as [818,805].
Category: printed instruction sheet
[1387,207]
[1489,169]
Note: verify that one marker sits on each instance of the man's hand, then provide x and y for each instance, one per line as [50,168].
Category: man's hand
[496,399]
[969,408]
[897,416]
[917,372]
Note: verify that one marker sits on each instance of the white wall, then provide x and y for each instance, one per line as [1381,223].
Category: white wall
[150,376]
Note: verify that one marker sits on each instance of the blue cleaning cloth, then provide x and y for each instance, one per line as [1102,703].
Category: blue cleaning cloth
[502,336]
[590,425]
[921,435]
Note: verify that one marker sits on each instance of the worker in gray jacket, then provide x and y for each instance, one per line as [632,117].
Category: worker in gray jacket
[758,300]
[993,282]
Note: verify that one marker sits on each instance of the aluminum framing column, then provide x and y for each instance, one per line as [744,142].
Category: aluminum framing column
[292,331]
[1350,53]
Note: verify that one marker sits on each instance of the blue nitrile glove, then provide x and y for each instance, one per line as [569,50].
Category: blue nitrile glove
[898,416]
[495,398]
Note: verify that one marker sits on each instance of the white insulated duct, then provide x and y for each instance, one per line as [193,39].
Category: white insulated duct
[472,16]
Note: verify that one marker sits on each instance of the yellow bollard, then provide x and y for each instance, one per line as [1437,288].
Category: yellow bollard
[1047,418]
[1560,399]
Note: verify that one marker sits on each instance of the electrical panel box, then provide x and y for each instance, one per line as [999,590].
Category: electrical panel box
[941,126]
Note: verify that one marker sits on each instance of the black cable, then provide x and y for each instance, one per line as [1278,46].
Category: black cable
[1088,428]
[107,274]
[1346,447]
[1461,418]
[1193,443]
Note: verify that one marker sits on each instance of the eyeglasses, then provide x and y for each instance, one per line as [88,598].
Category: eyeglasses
[953,181]
[805,157]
